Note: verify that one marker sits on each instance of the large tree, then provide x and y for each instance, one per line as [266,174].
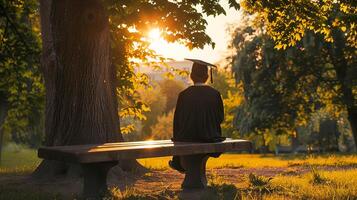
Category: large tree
[86,43]
[334,22]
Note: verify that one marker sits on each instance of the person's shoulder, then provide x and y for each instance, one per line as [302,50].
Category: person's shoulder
[185,91]
[213,90]
[194,89]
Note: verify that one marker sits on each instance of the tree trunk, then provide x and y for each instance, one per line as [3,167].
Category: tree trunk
[352,118]
[294,141]
[81,104]
[3,111]
[341,67]
[264,148]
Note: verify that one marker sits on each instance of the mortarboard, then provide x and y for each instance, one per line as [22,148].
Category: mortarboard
[200,62]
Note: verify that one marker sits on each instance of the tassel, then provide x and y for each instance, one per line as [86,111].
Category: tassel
[211,74]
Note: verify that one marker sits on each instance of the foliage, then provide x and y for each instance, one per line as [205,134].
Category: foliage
[21,83]
[162,130]
[232,98]
[283,87]
[161,100]
[325,33]
[271,84]
[155,100]
[181,21]
[224,82]
[170,89]
[288,21]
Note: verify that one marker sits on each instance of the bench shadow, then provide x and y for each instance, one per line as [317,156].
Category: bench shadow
[123,179]
[213,192]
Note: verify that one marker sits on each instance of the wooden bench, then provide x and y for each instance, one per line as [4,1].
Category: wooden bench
[96,160]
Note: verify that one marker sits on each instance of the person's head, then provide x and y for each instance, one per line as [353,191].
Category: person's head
[199,73]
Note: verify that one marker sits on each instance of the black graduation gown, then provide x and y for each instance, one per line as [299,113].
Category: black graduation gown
[198,115]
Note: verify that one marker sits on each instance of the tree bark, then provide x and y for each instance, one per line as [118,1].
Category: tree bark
[3,112]
[341,67]
[352,118]
[81,103]
[264,148]
[294,141]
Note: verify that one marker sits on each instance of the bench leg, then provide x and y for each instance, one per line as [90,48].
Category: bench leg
[195,166]
[95,179]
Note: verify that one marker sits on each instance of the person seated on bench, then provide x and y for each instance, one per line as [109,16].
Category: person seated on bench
[199,112]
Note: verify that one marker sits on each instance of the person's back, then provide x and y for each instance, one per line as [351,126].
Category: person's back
[198,115]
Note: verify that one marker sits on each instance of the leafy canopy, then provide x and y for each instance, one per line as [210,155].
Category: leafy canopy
[282,87]
[326,30]
[21,83]
[287,21]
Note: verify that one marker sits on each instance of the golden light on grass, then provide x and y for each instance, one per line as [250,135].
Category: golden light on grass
[259,161]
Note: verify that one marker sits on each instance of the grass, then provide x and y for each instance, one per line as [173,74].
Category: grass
[337,182]
[18,160]
[9,193]
[335,185]
[340,185]
[261,161]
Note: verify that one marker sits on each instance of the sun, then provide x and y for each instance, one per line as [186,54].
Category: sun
[162,47]
[154,34]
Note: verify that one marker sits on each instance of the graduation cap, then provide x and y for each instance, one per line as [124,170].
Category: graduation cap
[201,67]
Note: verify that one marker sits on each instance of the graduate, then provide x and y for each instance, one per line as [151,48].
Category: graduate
[199,111]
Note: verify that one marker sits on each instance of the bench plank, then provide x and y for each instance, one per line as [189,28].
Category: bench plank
[132,150]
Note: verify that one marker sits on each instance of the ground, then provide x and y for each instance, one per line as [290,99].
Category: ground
[232,176]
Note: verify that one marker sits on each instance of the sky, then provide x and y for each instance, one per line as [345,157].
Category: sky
[216,29]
